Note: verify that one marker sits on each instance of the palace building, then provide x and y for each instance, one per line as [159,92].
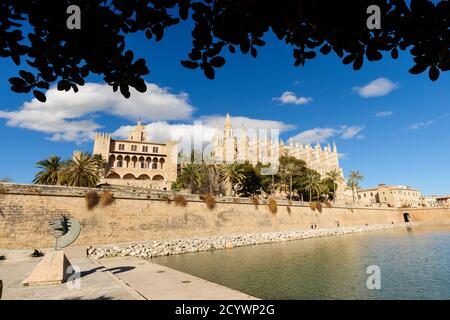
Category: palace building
[242,145]
[391,196]
[137,161]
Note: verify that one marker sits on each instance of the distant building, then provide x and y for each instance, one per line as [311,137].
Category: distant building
[428,201]
[390,196]
[137,161]
[443,201]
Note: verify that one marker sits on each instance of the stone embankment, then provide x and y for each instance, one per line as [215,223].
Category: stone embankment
[156,248]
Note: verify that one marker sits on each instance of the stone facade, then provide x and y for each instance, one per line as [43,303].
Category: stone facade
[429,201]
[241,145]
[139,214]
[391,196]
[136,161]
[443,201]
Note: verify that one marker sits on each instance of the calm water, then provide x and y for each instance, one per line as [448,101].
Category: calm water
[414,264]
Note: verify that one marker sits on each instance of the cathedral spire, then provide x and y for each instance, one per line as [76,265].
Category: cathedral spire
[228,121]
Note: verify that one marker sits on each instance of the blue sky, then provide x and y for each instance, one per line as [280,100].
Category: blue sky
[407,143]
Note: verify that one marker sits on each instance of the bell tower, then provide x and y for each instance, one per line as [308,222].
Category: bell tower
[138,133]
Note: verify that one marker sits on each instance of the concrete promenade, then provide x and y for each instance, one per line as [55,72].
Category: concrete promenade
[156,282]
[122,278]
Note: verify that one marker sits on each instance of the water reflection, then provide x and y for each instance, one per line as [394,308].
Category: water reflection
[414,264]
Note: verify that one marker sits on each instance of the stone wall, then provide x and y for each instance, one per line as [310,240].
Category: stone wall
[138,214]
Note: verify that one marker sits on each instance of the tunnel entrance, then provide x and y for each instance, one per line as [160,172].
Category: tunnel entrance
[406,217]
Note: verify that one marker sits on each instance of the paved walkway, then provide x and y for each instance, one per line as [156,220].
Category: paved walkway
[156,282]
[95,283]
[124,278]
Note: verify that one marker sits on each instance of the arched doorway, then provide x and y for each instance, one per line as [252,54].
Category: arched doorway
[158,177]
[406,217]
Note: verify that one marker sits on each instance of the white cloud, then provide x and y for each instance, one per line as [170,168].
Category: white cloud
[351,132]
[383,114]
[314,135]
[320,135]
[69,116]
[425,124]
[289,97]
[376,88]
[342,156]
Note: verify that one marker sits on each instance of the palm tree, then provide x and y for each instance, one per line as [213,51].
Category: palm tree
[353,181]
[212,171]
[232,174]
[336,177]
[191,176]
[104,166]
[51,170]
[313,184]
[81,171]
[291,168]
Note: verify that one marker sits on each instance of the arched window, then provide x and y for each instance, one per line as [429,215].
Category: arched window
[134,147]
[119,164]
[142,165]
[155,149]
[154,165]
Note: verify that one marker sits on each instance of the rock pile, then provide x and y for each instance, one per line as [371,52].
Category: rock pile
[156,248]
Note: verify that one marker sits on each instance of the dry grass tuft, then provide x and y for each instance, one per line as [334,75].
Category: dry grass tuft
[319,206]
[106,198]
[255,201]
[92,199]
[210,201]
[180,200]
[312,205]
[272,205]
